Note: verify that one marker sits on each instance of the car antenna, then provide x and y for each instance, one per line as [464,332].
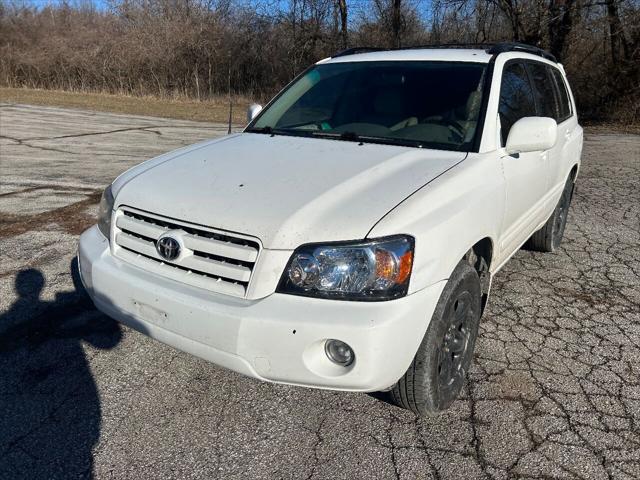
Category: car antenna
[229,91]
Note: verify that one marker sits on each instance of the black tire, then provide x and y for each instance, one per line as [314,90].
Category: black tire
[548,238]
[436,375]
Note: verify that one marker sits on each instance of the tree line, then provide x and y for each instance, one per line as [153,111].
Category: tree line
[202,48]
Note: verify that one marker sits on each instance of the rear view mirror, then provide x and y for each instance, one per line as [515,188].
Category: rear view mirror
[532,134]
[253,111]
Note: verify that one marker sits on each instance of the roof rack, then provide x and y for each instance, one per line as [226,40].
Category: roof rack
[491,48]
[473,45]
[520,47]
[356,50]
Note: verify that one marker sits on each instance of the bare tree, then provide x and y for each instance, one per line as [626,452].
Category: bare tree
[561,20]
[396,22]
[619,45]
[183,47]
[344,34]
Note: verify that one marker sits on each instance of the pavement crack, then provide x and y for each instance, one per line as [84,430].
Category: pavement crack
[25,143]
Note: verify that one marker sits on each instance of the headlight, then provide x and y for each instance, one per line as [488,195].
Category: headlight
[104,212]
[372,270]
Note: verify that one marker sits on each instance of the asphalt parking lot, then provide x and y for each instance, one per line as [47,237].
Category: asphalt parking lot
[554,390]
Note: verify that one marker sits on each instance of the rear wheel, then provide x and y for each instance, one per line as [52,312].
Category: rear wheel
[548,238]
[436,375]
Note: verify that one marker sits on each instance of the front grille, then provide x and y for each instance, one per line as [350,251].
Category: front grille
[218,261]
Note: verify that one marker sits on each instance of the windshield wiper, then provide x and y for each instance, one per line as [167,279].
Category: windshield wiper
[354,137]
[267,130]
[348,136]
[400,142]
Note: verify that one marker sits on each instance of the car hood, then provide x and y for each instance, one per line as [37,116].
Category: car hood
[285,190]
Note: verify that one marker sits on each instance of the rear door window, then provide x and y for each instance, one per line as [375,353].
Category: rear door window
[516,97]
[564,104]
[545,91]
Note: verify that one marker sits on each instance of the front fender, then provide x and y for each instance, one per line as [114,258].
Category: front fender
[448,216]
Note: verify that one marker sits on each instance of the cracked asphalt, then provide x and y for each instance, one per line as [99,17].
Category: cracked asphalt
[554,391]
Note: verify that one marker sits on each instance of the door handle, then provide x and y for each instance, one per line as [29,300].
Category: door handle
[567,134]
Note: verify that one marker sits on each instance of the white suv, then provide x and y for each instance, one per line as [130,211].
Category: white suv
[347,238]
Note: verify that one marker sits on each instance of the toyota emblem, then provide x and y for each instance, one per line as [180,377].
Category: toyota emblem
[168,248]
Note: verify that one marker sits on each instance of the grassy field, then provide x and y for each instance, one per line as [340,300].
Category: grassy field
[216,110]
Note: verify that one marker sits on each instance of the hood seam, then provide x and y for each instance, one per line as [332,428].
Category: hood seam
[414,192]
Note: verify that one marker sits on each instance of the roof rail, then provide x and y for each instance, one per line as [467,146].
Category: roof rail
[520,47]
[491,48]
[356,50]
[473,45]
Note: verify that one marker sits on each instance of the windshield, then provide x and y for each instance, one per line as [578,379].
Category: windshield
[417,103]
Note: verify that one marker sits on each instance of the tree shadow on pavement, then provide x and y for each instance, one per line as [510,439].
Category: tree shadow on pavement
[50,413]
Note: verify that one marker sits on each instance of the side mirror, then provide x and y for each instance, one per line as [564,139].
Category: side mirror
[253,111]
[532,134]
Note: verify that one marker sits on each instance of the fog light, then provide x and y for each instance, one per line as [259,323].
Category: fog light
[339,352]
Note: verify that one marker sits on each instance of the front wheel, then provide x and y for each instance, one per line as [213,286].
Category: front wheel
[436,375]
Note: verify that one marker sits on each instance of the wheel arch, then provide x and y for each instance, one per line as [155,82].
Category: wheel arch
[574,172]
[483,249]
[480,256]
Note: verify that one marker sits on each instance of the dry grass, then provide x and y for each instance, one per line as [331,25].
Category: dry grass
[216,110]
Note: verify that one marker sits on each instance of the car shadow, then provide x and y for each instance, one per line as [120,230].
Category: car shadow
[384,397]
[50,413]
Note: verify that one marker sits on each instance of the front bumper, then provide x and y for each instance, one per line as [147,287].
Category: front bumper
[278,338]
